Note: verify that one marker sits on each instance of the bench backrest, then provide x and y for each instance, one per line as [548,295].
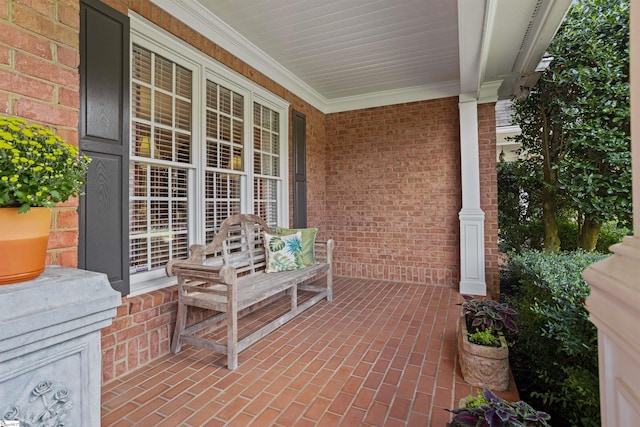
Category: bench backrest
[240,243]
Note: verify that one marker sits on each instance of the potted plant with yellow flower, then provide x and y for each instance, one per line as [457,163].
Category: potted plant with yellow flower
[37,171]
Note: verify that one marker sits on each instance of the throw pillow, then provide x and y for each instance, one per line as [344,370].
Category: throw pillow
[308,242]
[283,252]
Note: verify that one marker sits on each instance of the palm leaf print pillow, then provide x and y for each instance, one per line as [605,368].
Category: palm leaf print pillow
[283,252]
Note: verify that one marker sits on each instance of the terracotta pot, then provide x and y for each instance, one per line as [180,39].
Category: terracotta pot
[23,243]
[482,365]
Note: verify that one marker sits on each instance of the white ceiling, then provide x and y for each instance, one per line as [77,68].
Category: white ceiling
[349,54]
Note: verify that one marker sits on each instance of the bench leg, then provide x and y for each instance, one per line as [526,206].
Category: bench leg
[181,321]
[294,298]
[329,285]
[232,327]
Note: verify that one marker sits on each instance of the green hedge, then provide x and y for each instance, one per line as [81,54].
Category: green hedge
[554,355]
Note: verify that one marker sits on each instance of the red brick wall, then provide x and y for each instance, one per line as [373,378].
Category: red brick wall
[393,192]
[140,332]
[316,155]
[489,193]
[39,81]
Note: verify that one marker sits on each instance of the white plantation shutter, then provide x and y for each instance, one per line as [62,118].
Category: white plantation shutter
[205,144]
[266,162]
[224,155]
[161,153]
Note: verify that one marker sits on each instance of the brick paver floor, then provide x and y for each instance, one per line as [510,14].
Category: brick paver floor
[380,354]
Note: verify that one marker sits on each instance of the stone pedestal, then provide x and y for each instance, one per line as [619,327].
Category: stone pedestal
[50,360]
[483,366]
[614,306]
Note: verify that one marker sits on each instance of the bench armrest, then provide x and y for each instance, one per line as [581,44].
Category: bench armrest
[197,257]
[324,250]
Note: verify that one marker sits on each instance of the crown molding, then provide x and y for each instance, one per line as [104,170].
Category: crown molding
[391,97]
[210,26]
[196,16]
[489,92]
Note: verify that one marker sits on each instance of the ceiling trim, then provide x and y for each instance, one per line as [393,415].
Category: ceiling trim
[489,91]
[210,26]
[391,97]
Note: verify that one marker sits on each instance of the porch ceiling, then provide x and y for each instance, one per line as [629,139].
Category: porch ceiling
[349,54]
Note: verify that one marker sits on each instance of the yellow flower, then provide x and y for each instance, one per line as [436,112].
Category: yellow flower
[33,157]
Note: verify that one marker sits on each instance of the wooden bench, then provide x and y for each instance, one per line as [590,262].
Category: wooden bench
[228,276]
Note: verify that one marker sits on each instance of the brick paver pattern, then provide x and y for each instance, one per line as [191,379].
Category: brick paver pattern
[380,354]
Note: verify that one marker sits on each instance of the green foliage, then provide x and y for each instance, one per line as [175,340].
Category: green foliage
[37,168]
[610,234]
[486,314]
[576,120]
[519,226]
[554,356]
[487,409]
[591,55]
[484,337]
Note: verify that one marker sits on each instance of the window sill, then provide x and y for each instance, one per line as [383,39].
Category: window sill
[151,285]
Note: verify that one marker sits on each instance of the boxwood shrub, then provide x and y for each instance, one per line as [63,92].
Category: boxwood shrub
[554,356]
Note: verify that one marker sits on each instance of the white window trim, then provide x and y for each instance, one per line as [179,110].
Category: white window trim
[203,67]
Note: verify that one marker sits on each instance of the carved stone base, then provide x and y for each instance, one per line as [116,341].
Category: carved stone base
[50,361]
[483,365]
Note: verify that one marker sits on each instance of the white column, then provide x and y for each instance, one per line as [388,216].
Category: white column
[614,302]
[472,271]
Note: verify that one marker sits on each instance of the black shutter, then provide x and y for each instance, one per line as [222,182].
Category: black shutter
[299,170]
[104,136]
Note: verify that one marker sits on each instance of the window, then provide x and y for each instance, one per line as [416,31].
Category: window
[224,169]
[205,144]
[266,166]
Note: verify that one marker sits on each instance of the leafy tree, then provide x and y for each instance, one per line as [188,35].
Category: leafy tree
[544,140]
[518,212]
[576,122]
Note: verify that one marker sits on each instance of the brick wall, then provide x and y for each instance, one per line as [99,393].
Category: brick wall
[39,81]
[316,155]
[489,193]
[393,192]
[140,332]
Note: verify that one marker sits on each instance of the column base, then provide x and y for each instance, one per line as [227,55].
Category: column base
[472,271]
